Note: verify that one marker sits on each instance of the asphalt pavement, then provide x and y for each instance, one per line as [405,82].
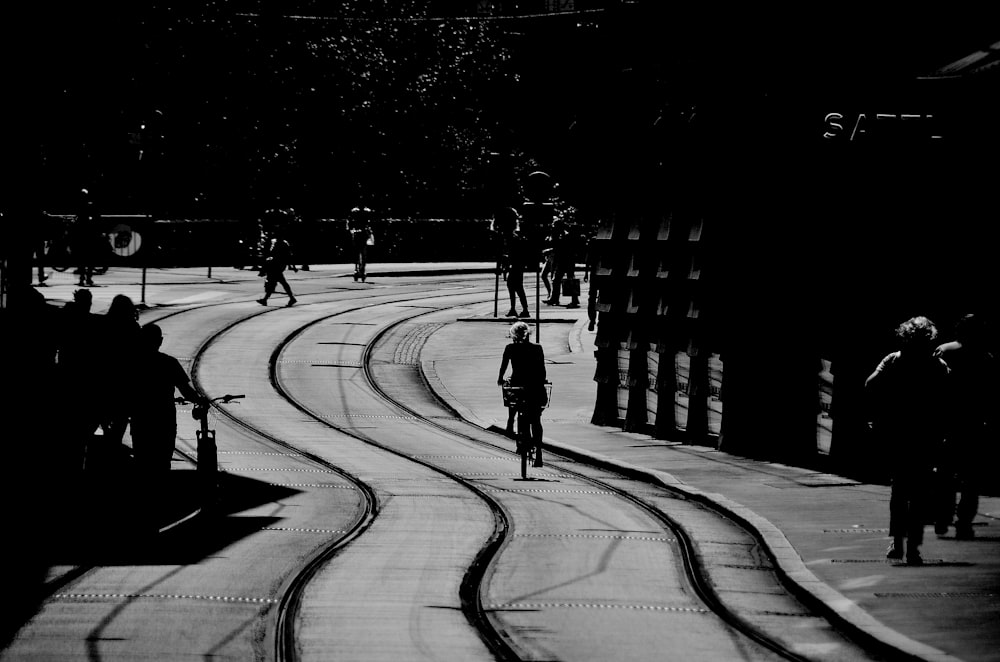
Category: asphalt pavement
[826,533]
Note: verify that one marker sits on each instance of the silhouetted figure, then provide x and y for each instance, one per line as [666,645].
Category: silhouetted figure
[548,269]
[120,342]
[971,418]
[907,391]
[512,260]
[279,258]
[41,233]
[86,242]
[154,412]
[359,225]
[527,361]
[590,275]
[564,243]
[27,328]
[80,374]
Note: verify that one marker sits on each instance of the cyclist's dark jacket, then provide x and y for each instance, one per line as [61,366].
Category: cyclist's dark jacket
[528,363]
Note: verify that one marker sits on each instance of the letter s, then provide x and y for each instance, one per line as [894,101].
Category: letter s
[833,126]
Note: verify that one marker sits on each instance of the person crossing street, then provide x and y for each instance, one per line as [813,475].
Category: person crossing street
[277,259]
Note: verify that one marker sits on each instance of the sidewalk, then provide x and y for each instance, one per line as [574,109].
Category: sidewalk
[828,534]
[173,285]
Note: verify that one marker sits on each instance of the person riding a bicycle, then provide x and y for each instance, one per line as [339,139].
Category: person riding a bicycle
[527,361]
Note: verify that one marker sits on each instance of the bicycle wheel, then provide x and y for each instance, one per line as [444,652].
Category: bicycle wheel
[523,442]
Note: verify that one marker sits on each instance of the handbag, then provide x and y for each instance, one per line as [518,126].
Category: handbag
[571,287]
[371,239]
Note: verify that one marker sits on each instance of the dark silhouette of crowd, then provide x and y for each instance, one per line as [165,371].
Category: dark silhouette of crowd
[84,379]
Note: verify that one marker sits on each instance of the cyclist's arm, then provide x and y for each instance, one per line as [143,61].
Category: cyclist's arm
[503,366]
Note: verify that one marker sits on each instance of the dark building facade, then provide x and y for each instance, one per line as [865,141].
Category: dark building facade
[762,238]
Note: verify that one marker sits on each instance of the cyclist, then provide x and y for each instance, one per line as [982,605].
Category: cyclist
[527,361]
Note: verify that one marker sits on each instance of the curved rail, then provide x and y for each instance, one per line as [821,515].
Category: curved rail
[693,571]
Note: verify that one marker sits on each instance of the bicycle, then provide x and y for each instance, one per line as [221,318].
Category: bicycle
[59,257]
[515,397]
[208,453]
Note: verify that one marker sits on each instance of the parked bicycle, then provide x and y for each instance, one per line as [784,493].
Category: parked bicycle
[515,397]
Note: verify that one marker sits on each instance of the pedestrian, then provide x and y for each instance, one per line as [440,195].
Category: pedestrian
[359,225]
[85,241]
[154,413]
[971,420]
[548,268]
[120,347]
[513,259]
[590,276]
[79,374]
[527,362]
[564,278]
[907,391]
[40,236]
[278,258]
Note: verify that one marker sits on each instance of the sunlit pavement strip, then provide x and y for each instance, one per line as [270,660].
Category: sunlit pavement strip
[195,298]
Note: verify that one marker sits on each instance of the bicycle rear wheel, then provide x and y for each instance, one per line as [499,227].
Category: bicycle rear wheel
[523,443]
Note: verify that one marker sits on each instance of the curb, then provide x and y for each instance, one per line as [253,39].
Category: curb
[792,570]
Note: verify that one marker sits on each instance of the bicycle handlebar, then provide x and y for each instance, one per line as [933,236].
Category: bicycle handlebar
[229,397]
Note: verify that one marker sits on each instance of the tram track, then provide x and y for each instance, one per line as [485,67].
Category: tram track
[299,577]
[502,644]
[471,598]
[696,574]
[292,592]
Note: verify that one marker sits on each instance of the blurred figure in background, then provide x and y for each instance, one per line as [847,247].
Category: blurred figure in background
[971,422]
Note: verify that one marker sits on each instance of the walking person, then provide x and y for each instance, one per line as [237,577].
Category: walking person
[907,391]
[79,373]
[360,227]
[971,419]
[120,345]
[278,258]
[590,276]
[153,411]
[564,278]
[527,362]
[86,241]
[548,269]
[512,260]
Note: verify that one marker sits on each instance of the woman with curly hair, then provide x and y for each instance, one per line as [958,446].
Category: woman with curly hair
[908,391]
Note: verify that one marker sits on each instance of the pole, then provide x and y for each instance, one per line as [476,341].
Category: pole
[496,294]
[209,271]
[143,300]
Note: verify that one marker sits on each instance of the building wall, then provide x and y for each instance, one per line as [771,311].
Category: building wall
[761,265]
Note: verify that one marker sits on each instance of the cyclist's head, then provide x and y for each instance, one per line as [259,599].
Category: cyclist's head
[151,336]
[520,332]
